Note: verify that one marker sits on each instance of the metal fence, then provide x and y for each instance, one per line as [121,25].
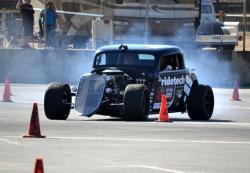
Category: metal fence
[231,6]
[10,29]
[239,18]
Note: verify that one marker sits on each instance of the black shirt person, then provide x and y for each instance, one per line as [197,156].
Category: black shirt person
[27,14]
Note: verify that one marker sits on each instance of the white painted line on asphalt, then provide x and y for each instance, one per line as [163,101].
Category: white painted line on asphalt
[213,123]
[147,167]
[134,140]
[152,140]
[157,168]
[230,107]
[9,141]
[16,105]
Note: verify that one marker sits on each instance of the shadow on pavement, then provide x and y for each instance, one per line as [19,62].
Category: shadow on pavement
[172,120]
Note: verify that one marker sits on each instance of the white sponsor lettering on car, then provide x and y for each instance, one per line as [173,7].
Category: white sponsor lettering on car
[166,81]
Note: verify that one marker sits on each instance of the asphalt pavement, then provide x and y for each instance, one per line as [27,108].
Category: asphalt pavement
[105,144]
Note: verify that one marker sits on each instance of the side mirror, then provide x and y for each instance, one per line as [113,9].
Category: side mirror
[118,1]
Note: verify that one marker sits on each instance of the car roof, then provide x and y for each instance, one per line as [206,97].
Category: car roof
[143,48]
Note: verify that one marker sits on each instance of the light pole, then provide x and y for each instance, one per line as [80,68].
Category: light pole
[45,25]
[244,25]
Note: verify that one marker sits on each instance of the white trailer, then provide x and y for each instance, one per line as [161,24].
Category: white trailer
[212,33]
[151,21]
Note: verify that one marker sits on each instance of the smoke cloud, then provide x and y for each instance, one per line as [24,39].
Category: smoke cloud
[45,66]
[212,68]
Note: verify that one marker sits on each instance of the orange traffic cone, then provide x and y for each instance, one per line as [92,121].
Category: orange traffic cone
[34,128]
[235,96]
[163,117]
[6,95]
[39,166]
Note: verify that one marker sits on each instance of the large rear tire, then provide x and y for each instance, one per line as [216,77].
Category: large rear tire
[136,102]
[57,101]
[200,104]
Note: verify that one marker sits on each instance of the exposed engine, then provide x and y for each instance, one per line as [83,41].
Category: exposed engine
[115,87]
[116,82]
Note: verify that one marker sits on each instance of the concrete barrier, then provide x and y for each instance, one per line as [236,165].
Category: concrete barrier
[218,68]
[241,64]
[44,66]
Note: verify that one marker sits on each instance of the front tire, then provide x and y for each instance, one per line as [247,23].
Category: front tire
[200,104]
[136,102]
[57,101]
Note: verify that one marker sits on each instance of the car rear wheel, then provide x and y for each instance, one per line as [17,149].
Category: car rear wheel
[57,101]
[200,104]
[136,102]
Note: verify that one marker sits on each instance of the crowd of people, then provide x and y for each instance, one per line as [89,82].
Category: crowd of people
[47,22]
[32,27]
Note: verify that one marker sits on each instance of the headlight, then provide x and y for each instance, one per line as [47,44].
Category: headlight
[108,90]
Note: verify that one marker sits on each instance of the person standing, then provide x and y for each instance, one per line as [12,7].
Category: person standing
[27,14]
[50,22]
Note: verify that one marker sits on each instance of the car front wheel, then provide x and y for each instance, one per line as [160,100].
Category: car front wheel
[136,102]
[57,101]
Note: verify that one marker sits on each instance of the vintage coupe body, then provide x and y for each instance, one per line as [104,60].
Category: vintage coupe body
[128,81]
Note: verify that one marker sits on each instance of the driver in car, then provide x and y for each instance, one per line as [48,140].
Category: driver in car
[165,64]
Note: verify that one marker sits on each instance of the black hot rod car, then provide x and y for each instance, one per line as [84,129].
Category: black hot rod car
[128,81]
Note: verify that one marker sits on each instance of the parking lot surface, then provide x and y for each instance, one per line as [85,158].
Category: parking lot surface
[105,144]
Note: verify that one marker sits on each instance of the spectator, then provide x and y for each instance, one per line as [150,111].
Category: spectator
[27,14]
[50,21]
[221,16]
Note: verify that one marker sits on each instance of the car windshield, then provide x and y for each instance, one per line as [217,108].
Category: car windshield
[124,59]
